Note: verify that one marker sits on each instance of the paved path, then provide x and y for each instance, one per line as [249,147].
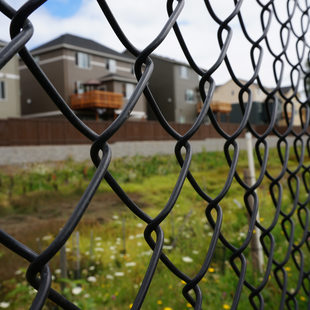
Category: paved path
[13,155]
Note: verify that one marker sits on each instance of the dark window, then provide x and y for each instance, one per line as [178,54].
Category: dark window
[190,96]
[2,90]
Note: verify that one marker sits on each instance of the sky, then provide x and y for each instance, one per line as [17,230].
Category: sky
[142,22]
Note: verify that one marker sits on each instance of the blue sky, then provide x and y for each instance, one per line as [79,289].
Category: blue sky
[63,8]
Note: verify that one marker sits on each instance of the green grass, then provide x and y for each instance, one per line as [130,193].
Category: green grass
[118,274]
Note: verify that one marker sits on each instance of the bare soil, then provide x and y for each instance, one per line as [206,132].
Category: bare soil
[51,215]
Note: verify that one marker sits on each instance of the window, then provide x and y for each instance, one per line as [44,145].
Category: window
[190,96]
[79,89]
[2,90]
[36,59]
[82,60]
[127,90]
[183,72]
[111,65]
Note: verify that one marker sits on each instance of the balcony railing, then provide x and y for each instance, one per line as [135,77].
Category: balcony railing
[96,99]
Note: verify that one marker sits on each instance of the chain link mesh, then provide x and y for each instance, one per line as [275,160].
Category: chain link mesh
[293,30]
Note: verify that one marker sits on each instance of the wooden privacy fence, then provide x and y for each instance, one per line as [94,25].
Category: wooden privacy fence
[59,131]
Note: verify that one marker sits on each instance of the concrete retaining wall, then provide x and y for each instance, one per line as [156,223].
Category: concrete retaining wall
[14,155]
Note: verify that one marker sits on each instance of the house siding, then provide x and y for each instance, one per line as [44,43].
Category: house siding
[185,112]
[33,98]
[10,105]
[162,87]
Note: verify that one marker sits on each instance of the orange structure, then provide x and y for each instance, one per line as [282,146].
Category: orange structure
[96,99]
[217,107]
[221,107]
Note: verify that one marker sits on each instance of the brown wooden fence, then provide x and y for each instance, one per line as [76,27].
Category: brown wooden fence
[60,131]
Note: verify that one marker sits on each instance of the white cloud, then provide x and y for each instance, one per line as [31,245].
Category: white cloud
[142,22]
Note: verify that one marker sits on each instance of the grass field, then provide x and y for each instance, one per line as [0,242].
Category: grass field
[113,252]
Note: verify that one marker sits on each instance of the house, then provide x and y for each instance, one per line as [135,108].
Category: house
[227,94]
[174,86]
[9,88]
[94,79]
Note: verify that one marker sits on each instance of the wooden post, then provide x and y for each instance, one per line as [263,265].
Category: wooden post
[124,235]
[77,252]
[91,246]
[172,228]
[63,266]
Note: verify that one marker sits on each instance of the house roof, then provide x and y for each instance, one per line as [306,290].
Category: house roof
[286,89]
[76,41]
[117,77]
[163,58]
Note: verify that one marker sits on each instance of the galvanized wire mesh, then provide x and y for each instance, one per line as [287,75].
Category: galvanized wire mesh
[293,30]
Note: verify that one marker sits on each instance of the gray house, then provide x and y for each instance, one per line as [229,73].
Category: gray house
[174,86]
[91,77]
[9,88]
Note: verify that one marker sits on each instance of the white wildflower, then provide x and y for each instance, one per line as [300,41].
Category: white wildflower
[109,276]
[139,243]
[98,239]
[115,217]
[112,257]
[167,247]
[91,279]
[139,235]
[195,252]
[112,248]
[147,253]
[91,267]
[187,259]
[32,291]
[119,274]
[99,249]
[139,225]
[130,264]
[77,290]
[19,271]
[131,237]
[57,271]
[47,237]
[4,304]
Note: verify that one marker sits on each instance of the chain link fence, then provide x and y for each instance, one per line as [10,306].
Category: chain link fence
[292,180]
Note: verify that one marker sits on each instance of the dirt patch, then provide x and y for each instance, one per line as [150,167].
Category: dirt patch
[50,217]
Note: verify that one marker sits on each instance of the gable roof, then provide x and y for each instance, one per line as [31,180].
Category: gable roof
[163,58]
[117,77]
[76,41]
